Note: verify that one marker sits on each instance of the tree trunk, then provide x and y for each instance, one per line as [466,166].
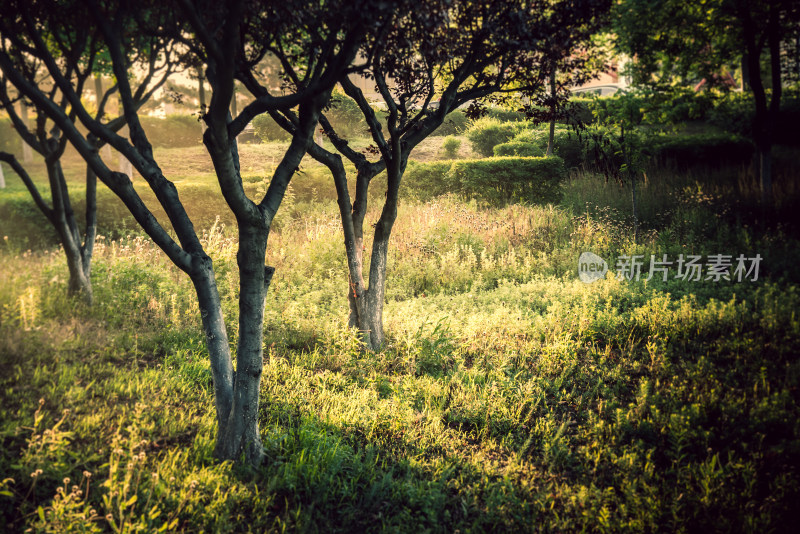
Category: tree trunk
[201,91]
[27,153]
[745,73]
[551,137]
[239,435]
[370,313]
[98,91]
[635,209]
[234,106]
[78,263]
[219,351]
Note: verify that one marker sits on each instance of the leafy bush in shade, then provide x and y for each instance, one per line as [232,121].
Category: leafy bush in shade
[268,130]
[493,181]
[455,123]
[173,131]
[345,117]
[518,148]
[505,115]
[701,149]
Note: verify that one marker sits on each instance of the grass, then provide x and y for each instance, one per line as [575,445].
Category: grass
[511,397]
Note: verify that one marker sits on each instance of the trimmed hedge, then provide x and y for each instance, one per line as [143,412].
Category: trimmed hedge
[493,181]
[428,180]
[518,148]
[173,131]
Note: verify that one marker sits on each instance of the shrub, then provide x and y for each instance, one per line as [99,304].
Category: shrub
[701,149]
[268,130]
[505,115]
[566,144]
[581,110]
[498,181]
[518,148]
[173,131]
[451,146]
[425,181]
[494,181]
[735,112]
[454,123]
[345,116]
[486,132]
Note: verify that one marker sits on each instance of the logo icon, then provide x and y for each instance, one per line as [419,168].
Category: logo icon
[591,267]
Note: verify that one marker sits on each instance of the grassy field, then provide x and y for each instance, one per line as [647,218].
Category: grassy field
[512,396]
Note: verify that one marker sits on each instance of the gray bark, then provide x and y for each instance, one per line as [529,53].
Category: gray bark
[27,153]
[99,92]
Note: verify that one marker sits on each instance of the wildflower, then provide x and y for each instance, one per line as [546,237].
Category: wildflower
[87,474]
[66,481]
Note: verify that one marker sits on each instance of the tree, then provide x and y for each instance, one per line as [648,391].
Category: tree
[684,39]
[315,44]
[436,58]
[46,139]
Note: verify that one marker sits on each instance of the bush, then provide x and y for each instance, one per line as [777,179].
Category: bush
[498,181]
[505,115]
[518,148]
[735,112]
[494,181]
[485,133]
[581,110]
[173,131]
[425,181]
[346,117]
[454,123]
[701,149]
[451,146]
[566,144]
[268,130]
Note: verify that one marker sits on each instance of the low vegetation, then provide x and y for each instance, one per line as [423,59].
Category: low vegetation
[511,395]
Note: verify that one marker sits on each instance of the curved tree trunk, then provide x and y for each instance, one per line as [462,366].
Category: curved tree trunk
[79,255]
